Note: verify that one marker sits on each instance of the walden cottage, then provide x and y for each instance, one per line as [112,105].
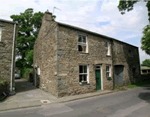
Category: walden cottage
[7,51]
[69,60]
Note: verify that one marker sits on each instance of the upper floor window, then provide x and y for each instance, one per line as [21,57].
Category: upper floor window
[82,44]
[107,45]
[0,34]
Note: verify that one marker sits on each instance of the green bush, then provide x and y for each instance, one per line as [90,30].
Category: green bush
[3,82]
[26,72]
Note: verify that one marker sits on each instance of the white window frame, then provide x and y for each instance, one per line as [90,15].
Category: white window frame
[87,74]
[0,34]
[38,71]
[83,43]
[107,47]
[108,71]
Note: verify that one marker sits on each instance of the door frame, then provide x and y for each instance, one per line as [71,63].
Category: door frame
[101,75]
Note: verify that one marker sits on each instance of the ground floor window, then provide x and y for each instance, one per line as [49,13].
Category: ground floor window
[144,71]
[83,73]
[108,71]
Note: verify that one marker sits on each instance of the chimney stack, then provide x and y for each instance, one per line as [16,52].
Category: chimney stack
[49,16]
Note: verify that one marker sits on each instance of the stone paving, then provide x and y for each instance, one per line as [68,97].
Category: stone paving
[25,91]
[28,95]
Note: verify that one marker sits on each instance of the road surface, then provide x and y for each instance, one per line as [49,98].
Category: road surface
[131,103]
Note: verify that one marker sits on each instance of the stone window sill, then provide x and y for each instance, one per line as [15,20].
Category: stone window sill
[82,84]
[108,55]
[83,53]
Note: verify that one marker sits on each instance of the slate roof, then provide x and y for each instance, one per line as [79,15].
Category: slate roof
[94,33]
[145,67]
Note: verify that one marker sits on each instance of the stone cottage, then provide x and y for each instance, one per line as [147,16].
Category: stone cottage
[7,51]
[69,60]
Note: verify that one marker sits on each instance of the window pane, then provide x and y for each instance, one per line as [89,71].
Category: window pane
[84,48]
[106,44]
[107,74]
[144,71]
[84,77]
[80,48]
[107,68]
[84,39]
[80,69]
[107,51]
[80,78]
[79,38]
[85,69]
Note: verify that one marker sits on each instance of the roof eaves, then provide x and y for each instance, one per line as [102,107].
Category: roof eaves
[3,20]
[78,28]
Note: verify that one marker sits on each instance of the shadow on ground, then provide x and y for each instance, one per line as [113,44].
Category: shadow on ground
[23,85]
[145,95]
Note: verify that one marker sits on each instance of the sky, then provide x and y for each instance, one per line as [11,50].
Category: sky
[101,16]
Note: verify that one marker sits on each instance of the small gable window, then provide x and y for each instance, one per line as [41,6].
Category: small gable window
[0,34]
[82,44]
[107,46]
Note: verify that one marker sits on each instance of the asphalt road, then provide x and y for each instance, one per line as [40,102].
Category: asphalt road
[131,103]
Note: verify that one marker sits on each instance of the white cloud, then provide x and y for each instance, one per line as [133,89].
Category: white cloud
[131,36]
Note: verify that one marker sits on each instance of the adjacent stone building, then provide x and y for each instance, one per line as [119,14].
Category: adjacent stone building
[7,51]
[145,70]
[69,60]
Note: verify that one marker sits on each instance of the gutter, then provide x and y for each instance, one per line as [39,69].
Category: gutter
[12,62]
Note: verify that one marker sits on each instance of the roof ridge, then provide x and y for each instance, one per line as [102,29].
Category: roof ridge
[85,30]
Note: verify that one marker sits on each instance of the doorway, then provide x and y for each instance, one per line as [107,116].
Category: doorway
[98,77]
[118,75]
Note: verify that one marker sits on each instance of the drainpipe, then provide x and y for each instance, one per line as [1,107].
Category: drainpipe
[113,64]
[12,62]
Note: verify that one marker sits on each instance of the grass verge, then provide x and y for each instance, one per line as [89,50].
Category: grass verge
[139,84]
[143,83]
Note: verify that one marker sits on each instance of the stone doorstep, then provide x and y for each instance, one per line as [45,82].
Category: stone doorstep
[18,105]
[82,96]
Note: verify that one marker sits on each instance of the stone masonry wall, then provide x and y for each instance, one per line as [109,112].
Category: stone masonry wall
[127,55]
[6,50]
[56,54]
[45,55]
[69,59]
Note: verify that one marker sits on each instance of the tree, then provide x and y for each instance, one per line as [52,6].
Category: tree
[146,62]
[29,24]
[124,6]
